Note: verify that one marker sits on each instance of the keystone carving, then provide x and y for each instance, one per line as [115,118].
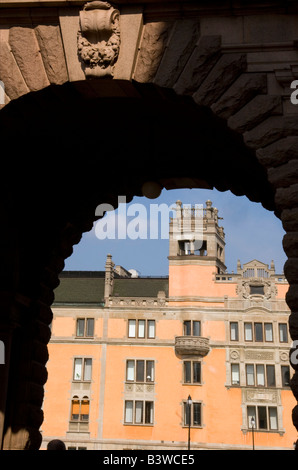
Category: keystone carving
[99,39]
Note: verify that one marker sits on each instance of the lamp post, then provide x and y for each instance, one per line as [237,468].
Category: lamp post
[189,403]
[252,422]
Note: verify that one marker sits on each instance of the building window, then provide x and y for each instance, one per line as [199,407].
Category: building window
[139,370]
[191,328]
[258,332]
[85,327]
[285,376]
[260,375]
[234,334]
[248,331]
[82,369]
[265,417]
[195,412]
[139,412]
[80,409]
[268,332]
[192,372]
[235,374]
[141,329]
[256,290]
[283,332]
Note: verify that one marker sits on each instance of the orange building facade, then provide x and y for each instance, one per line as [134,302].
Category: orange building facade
[199,358]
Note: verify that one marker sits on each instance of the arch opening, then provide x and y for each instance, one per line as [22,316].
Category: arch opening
[69,148]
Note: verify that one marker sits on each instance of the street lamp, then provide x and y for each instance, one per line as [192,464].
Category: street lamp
[252,422]
[189,403]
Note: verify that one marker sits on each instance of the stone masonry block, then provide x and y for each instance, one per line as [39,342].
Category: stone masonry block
[224,73]
[240,93]
[204,57]
[284,175]
[25,49]
[252,114]
[279,152]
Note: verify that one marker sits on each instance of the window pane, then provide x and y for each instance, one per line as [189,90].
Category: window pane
[187,372]
[234,331]
[260,375]
[80,327]
[140,371]
[196,372]
[235,374]
[251,413]
[248,331]
[151,328]
[90,327]
[257,290]
[85,410]
[262,417]
[141,329]
[285,375]
[75,409]
[130,370]
[268,332]
[270,371]
[149,412]
[139,412]
[187,328]
[250,379]
[196,414]
[258,332]
[88,369]
[150,371]
[187,412]
[273,418]
[128,411]
[131,328]
[78,369]
[283,333]
[196,325]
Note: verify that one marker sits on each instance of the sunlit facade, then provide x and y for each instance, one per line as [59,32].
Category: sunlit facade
[194,358]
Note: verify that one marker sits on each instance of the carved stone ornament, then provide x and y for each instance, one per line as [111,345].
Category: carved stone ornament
[99,39]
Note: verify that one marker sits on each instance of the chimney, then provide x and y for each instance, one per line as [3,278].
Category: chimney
[109,277]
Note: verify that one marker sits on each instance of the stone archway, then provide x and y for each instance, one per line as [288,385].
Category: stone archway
[72,146]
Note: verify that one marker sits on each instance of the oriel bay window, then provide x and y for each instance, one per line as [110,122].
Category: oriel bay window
[139,370]
[138,412]
[82,369]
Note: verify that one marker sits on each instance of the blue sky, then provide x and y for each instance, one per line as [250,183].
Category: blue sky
[251,233]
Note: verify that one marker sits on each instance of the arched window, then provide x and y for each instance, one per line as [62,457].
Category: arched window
[80,409]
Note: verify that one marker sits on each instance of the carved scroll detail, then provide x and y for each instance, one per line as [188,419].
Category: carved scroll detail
[99,39]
